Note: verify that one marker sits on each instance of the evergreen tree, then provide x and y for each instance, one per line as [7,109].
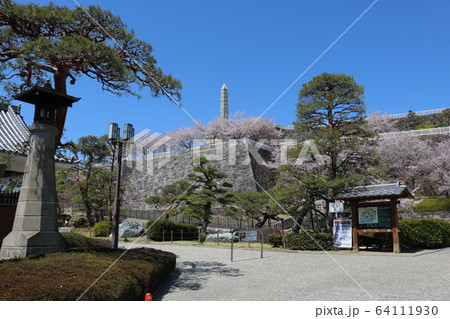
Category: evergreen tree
[331,113]
[209,189]
[171,198]
[92,177]
[253,205]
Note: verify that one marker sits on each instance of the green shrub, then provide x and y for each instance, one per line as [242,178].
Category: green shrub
[102,228]
[60,223]
[424,126]
[164,227]
[78,222]
[424,233]
[266,232]
[276,240]
[139,271]
[202,237]
[433,204]
[309,241]
[77,242]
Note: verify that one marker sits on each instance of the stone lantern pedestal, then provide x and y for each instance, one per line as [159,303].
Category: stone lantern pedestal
[35,228]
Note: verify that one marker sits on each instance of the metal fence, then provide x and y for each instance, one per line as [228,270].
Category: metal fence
[219,222]
[171,235]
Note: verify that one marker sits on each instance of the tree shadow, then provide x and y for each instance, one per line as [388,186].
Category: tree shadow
[193,275]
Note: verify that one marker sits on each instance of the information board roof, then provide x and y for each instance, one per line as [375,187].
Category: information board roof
[382,191]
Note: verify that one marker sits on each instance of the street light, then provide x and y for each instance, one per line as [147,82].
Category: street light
[114,138]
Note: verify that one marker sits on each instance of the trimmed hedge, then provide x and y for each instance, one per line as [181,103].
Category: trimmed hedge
[102,229]
[424,233]
[190,231]
[65,276]
[309,241]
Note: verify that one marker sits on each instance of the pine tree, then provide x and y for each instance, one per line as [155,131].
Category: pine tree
[331,113]
[209,189]
[38,41]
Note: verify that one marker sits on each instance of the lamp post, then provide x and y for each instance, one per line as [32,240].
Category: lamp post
[116,141]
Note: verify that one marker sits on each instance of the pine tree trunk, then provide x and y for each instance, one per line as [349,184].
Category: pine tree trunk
[60,116]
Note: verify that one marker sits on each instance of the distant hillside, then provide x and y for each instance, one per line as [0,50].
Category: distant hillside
[413,121]
[407,123]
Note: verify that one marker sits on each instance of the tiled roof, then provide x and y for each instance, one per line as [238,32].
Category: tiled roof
[13,130]
[395,190]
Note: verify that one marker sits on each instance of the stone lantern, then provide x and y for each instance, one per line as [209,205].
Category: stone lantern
[35,229]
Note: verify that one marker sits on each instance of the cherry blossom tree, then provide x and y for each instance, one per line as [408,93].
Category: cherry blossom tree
[215,129]
[381,123]
[238,127]
[184,138]
[406,158]
[259,129]
[440,167]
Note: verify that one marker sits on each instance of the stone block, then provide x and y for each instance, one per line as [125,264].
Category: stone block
[37,193]
[36,208]
[20,244]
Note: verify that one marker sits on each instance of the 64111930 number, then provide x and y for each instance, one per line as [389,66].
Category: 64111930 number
[407,311]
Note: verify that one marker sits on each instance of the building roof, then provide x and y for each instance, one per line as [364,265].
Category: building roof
[395,190]
[14,133]
[13,130]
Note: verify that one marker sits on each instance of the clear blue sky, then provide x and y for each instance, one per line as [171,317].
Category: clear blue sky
[399,51]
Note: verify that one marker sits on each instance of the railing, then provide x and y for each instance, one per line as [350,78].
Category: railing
[9,198]
[419,113]
[392,116]
[428,131]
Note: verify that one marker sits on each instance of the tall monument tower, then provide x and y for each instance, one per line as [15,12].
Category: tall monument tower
[224,102]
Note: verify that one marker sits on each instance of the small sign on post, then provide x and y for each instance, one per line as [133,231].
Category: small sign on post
[247,236]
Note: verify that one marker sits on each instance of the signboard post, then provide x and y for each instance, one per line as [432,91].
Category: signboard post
[247,236]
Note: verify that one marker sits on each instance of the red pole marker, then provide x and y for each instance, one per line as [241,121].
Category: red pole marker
[148,297]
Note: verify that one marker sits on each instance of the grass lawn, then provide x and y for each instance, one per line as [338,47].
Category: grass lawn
[433,204]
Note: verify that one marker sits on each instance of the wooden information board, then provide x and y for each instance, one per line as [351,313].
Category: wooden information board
[375,217]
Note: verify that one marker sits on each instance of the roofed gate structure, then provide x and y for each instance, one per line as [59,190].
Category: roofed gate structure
[374,209]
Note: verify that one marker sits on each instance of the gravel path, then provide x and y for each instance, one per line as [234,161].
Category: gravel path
[206,273]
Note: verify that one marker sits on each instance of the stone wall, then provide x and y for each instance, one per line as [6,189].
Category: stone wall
[445,215]
[144,176]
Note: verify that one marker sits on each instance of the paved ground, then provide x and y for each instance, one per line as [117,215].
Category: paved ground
[206,273]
